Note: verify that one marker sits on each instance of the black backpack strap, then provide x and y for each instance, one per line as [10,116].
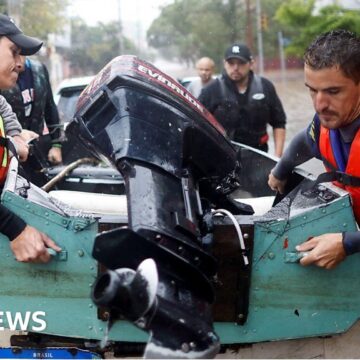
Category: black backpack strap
[225,93]
[11,147]
[336,175]
[339,176]
[222,88]
[333,175]
[256,86]
[4,142]
[8,144]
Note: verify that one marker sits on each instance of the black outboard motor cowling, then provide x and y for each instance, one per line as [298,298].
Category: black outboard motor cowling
[174,158]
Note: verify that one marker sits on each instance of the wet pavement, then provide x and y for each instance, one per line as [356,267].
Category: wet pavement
[298,107]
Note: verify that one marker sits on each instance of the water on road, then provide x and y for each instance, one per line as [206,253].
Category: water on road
[298,107]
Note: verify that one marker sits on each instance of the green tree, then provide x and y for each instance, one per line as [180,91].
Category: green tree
[39,17]
[189,29]
[270,33]
[3,6]
[302,24]
[94,46]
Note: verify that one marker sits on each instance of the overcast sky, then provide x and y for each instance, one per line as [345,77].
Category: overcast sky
[136,15]
[93,11]
[139,11]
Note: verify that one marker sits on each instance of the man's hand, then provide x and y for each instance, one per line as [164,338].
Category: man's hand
[325,251]
[22,148]
[28,135]
[31,246]
[276,184]
[54,155]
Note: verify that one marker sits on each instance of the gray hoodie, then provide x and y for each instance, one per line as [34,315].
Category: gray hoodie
[11,123]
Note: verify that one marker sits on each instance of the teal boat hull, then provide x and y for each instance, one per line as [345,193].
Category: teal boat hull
[286,300]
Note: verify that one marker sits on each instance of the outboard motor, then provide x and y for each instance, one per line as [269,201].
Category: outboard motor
[177,165]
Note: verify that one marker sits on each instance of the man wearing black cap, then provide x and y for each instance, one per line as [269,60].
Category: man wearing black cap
[27,243]
[244,103]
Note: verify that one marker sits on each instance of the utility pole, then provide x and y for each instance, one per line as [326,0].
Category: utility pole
[121,45]
[259,37]
[138,27]
[249,28]
[14,10]
[282,57]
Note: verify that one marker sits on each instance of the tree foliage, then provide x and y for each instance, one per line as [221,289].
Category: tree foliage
[94,46]
[189,29]
[3,6]
[41,17]
[302,23]
[38,17]
[91,46]
[270,32]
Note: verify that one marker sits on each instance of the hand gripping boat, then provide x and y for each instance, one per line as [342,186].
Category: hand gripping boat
[202,255]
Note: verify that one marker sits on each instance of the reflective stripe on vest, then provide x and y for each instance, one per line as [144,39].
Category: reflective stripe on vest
[352,167]
[4,154]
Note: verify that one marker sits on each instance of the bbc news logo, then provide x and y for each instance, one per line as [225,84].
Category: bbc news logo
[21,321]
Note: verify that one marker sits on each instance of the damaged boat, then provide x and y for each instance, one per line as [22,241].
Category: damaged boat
[199,253]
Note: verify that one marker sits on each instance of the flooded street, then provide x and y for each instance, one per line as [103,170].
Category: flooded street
[298,107]
[295,98]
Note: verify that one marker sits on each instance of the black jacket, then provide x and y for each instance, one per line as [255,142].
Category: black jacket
[244,116]
[43,110]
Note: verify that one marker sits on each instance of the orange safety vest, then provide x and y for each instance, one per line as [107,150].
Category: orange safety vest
[352,167]
[4,153]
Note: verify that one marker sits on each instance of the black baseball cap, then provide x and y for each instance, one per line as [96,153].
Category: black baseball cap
[238,51]
[27,44]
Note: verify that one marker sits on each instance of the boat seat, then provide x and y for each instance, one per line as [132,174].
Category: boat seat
[106,204]
[109,204]
[261,205]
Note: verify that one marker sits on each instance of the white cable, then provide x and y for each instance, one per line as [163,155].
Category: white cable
[238,230]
